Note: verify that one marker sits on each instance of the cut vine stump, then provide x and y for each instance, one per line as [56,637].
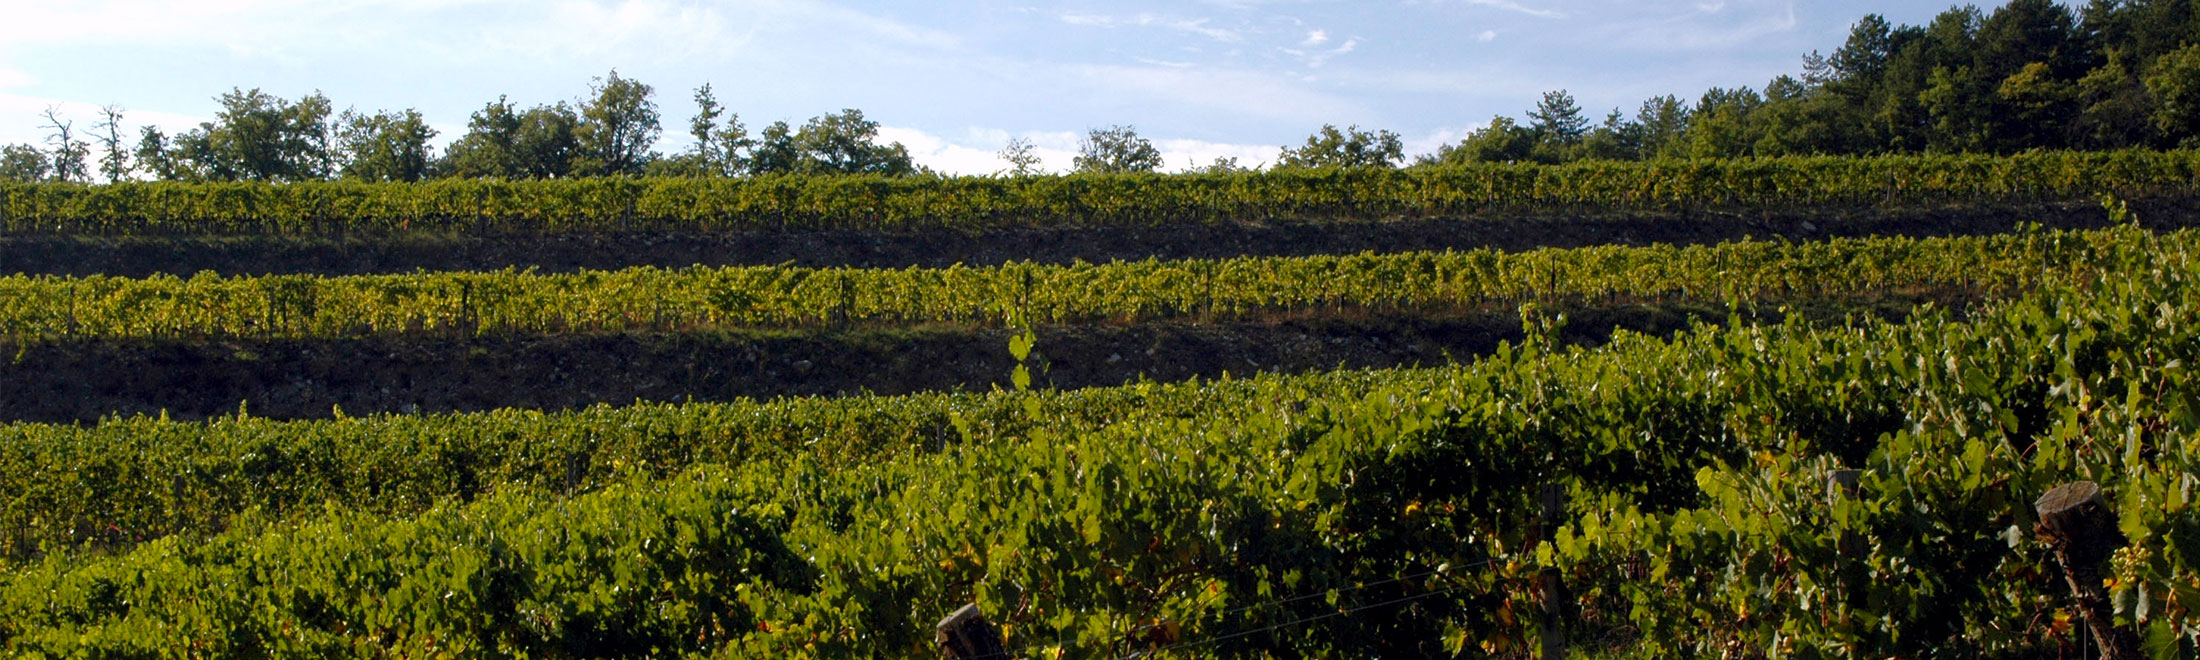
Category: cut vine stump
[965,635]
[2076,524]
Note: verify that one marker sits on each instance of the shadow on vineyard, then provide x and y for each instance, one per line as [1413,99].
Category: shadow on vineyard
[84,381]
[368,253]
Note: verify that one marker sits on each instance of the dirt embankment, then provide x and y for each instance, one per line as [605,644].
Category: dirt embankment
[305,379]
[343,255]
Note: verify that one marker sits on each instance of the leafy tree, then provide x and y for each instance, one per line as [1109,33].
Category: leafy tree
[1663,127]
[775,152]
[548,142]
[1351,147]
[717,152]
[1220,165]
[846,143]
[1116,149]
[23,162]
[159,158]
[1723,123]
[2028,59]
[1023,158]
[1503,140]
[1615,139]
[114,159]
[488,148]
[68,152]
[2115,110]
[718,147]
[2175,84]
[385,146]
[538,143]
[255,136]
[617,126]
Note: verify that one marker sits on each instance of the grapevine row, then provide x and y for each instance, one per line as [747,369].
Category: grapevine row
[874,203]
[208,306]
[1701,455]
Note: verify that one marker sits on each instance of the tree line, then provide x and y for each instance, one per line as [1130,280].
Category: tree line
[2032,74]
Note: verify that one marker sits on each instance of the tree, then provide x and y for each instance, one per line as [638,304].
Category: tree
[846,143]
[1557,119]
[775,152]
[23,162]
[1116,149]
[1615,139]
[2115,110]
[1502,141]
[255,136]
[68,152]
[1351,147]
[1023,158]
[1663,131]
[617,127]
[548,143]
[1722,124]
[718,147]
[385,146]
[1220,165]
[538,143]
[2175,84]
[159,158]
[487,149]
[114,159]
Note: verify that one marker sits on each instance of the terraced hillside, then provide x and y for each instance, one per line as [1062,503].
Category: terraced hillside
[1298,414]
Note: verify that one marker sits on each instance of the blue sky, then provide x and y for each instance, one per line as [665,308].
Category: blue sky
[953,81]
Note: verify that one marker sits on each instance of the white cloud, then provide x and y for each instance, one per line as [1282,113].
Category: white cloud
[1179,155]
[662,30]
[14,78]
[1198,26]
[978,152]
[1707,29]
[1250,93]
[1486,36]
[1509,5]
[1314,59]
[937,153]
[1315,38]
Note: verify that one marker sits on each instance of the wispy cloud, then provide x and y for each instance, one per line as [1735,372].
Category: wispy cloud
[1699,28]
[1314,59]
[1246,93]
[1198,26]
[1507,5]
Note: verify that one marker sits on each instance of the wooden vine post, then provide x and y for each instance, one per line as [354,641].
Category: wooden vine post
[2076,524]
[1556,602]
[965,635]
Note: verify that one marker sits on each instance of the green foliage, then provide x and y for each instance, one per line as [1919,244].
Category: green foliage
[846,143]
[868,202]
[499,143]
[23,163]
[208,306]
[1351,147]
[2175,84]
[1700,458]
[385,146]
[616,128]
[254,137]
[1116,149]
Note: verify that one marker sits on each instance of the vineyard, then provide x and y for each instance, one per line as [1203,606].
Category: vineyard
[1823,448]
